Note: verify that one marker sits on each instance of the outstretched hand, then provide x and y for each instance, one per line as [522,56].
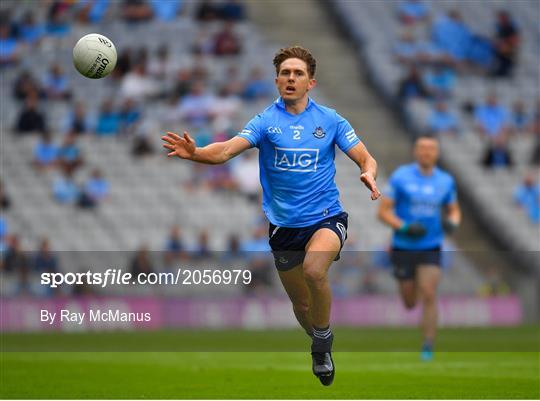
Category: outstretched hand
[370,183]
[178,146]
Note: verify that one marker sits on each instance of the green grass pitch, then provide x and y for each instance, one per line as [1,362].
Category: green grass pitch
[456,372]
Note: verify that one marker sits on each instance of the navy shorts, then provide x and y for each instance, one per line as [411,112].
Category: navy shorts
[406,261]
[289,244]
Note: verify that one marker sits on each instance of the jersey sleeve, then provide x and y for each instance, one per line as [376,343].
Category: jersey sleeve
[451,196]
[252,131]
[345,136]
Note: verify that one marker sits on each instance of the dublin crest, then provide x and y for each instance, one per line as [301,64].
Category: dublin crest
[319,133]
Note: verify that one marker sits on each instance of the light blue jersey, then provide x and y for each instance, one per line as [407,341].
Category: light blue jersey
[420,199]
[296,159]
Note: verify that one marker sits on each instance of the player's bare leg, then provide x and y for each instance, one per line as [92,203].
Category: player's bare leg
[408,293]
[428,278]
[321,251]
[295,285]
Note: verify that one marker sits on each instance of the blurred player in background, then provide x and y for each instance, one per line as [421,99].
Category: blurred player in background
[419,204]
[296,138]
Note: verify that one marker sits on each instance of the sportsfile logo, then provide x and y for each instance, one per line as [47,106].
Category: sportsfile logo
[298,160]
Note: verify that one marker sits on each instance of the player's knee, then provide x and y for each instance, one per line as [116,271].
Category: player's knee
[429,296]
[314,276]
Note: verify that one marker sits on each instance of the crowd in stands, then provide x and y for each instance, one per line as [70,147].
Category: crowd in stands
[447,42]
[494,286]
[527,196]
[5,204]
[26,265]
[435,51]
[434,57]
[193,96]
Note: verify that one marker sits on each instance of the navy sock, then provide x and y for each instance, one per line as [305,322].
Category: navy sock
[322,339]
[322,334]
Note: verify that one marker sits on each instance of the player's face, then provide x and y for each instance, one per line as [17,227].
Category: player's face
[426,152]
[293,82]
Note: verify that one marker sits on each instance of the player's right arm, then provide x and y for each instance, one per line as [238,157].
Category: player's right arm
[215,153]
[386,214]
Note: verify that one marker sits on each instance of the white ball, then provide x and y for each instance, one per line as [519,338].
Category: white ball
[94,56]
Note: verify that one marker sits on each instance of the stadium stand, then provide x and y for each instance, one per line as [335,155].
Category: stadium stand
[122,117]
[472,74]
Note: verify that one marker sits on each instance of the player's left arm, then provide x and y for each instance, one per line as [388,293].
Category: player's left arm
[452,211]
[368,167]
[452,219]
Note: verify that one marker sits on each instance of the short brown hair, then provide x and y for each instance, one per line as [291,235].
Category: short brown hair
[296,52]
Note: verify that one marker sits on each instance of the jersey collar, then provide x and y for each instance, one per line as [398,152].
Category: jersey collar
[281,104]
[418,171]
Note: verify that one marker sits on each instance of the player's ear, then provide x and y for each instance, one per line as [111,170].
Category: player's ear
[312,83]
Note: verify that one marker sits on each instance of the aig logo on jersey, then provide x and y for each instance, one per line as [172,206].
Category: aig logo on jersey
[296,159]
